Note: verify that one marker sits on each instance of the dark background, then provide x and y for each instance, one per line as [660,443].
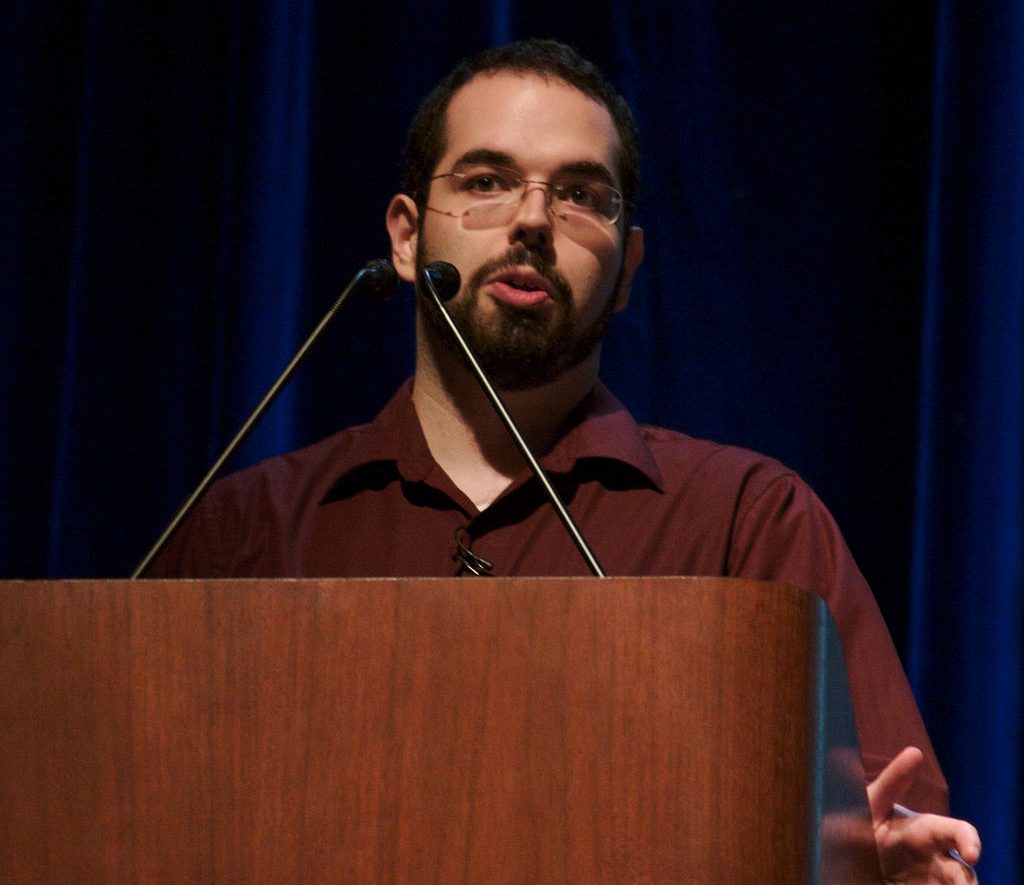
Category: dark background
[833,200]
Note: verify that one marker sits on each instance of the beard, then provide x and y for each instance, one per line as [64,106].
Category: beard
[519,349]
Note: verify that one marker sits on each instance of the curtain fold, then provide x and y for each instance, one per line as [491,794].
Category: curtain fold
[966,641]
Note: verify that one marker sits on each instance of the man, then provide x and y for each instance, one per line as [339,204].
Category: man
[521,170]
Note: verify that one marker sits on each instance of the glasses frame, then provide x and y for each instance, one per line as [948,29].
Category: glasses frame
[516,180]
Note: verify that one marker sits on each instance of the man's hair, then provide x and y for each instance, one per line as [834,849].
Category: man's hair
[546,58]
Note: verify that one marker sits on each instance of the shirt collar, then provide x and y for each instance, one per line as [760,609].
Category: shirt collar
[600,428]
[394,435]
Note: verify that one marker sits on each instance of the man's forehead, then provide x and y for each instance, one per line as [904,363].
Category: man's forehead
[510,111]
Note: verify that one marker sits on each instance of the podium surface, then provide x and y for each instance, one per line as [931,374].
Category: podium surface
[473,730]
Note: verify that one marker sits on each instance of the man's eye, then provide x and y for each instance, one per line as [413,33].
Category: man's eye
[486,183]
[582,196]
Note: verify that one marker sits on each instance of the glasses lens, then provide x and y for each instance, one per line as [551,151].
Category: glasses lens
[491,195]
[591,199]
[492,213]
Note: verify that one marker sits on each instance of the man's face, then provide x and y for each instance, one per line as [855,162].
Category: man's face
[537,289]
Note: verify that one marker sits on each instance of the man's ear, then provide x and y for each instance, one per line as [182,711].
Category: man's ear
[403,228]
[631,259]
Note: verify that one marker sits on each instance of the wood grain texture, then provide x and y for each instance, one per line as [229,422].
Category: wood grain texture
[642,730]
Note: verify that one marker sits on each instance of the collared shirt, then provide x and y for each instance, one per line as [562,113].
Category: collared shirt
[371,501]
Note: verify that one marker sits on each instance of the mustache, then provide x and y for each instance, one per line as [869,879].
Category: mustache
[520,256]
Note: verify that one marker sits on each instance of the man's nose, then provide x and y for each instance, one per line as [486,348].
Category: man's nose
[532,225]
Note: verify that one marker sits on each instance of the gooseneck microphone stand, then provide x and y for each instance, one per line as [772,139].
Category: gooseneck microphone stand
[378,278]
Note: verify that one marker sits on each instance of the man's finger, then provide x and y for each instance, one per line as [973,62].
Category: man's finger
[929,835]
[892,782]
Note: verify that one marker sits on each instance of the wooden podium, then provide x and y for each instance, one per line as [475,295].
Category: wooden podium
[641,730]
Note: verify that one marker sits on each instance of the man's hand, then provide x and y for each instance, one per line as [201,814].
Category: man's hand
[918,848]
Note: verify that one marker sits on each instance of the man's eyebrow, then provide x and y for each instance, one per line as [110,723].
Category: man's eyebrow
[590,169]
[492,157]
[484,155]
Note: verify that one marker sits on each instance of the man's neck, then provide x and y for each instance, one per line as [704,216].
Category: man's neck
[466,436]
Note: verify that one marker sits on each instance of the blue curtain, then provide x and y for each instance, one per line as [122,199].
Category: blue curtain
[834,208]
[965,649]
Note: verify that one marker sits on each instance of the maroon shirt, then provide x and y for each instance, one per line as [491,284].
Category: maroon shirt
[371,501]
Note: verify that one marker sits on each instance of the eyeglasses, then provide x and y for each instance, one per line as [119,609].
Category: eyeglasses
[486,196]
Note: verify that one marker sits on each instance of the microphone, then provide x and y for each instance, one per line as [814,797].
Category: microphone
[377,279]
[442,281]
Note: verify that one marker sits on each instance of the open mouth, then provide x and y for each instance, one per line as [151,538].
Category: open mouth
[520,287]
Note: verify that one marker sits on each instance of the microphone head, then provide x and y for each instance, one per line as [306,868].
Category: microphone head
[379,279]
[443,279]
